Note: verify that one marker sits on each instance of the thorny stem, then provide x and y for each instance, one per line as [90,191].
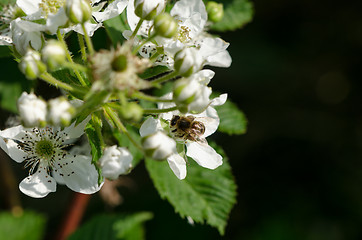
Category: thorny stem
[117,122]
[82,47]
[69,57]
[149,98]
[55,82]
[156,110]
[164,78]
[8,185]
[75,66]
[136,29]
[88,40]
[73,216]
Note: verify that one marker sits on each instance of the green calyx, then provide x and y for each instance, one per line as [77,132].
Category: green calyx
[44,148]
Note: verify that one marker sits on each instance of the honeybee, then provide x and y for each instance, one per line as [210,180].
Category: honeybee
[188,128]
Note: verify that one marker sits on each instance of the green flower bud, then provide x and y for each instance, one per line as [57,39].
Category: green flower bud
[31,65]
[187,61]
[53,54]
[215,11]
[165,25]
[149,9]
[132,111]
[78,11]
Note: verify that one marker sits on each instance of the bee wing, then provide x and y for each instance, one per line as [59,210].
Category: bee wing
[211,124]
[201,141]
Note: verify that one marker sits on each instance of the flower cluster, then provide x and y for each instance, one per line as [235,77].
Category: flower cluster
[112,90]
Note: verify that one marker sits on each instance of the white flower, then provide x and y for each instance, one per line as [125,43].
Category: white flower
[202,153]
[60,111]
[32,110]
[115,161]
[43,150]
[155,142]
[192,17]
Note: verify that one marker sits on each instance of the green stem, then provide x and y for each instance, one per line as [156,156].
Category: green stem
[75,66]
[149,98]
[157,111]
[98,127]
[88,40]
[82,47]
[117,122]
[69,57]
[143,43]
[136,29]
[55,82]
[164,78]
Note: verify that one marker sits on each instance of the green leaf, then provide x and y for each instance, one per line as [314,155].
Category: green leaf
[204,195]
[12,84]
[124,141]
[5,51]
[112,227]
[232,119]
[237,13]
[29,226]
[115,27]
[154,71]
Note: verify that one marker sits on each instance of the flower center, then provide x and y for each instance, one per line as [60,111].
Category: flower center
[50,6]
[183,34]
[119,63]
[44,148]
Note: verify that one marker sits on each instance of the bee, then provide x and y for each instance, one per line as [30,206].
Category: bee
[188,128]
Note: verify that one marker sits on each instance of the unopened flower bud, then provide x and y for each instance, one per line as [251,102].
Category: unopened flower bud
[115,161]
[215,11]
[165,25]
[78,11]
[53,54]
[149,9]
[185,91]
[158,145]
[132,111]
[187,61]
[31,65]
[32,110]
[60,112]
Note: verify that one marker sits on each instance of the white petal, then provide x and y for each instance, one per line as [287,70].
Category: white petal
[11,132]
[38,185]
[178,165]
[220,100]
[3,145]
[167,116]
[79,174]
[221,59]
[204,155]
[12,147]
[187,8]
[14,152]
[76,131]
[57,20]
[113,10]
[29,6]
[150,126]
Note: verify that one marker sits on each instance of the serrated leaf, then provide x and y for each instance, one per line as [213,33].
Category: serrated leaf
[29,226]
[112,227]
[237,13]
[115,27]
[205,195]
[232,119]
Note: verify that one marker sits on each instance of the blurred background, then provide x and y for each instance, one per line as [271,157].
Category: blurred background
[296,75]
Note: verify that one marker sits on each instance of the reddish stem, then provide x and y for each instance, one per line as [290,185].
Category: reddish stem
[73,216]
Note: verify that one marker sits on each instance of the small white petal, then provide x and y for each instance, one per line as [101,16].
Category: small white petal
[76,131]
[79,174]
[150,126]
[11,132]
[29,6]
[14,152]
[38,185]
[220,100]
[112,10]
[178,165]
[204,155]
